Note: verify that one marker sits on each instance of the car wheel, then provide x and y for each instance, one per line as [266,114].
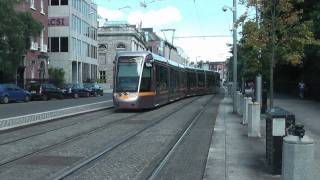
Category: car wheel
[27,99]
[5,100]
[101,94]
[45,98]
[75,95]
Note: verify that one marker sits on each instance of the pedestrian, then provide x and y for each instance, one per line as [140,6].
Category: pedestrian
[301,88]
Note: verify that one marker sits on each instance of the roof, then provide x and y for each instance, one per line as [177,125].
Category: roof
[159,59]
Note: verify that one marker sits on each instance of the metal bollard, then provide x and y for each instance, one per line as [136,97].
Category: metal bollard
[245,110]
[254,120]
[298,156]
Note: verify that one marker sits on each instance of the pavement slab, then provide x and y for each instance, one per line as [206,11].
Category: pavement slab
[232,154]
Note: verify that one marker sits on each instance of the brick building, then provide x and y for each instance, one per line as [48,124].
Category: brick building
[35,64]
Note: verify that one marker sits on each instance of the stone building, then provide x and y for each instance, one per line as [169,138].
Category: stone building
[35,64]
[113,37]
[163,48]
[73,39]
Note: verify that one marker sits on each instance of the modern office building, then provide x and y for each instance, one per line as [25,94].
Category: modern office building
[72,39]
[35,64]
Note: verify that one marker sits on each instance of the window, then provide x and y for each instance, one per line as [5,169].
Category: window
[161,78]
[54,2]
[102,74]
[103,46]
[121,46]
[64,2]
[42,7]
[64,44]
[54,44]
[32,4]
[42,38]
[145,85]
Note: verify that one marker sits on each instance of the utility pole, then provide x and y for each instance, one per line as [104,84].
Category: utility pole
[273,53]
[235,55]
[173,32]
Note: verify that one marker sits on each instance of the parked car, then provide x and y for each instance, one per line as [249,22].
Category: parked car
[44,91]
[75,90]
[11,92]
[95,89]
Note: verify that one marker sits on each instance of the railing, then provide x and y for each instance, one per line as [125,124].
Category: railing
[34,46]
[13,122]
[44,48]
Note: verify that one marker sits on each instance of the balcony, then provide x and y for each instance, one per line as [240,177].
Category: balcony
[44,48]
[34,46]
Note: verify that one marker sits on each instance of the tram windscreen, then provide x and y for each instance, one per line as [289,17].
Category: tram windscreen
[129,70]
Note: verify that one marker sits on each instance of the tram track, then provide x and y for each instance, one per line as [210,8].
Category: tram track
[67,140]
[117,143]
[12,162]
[57,128]
[156,172]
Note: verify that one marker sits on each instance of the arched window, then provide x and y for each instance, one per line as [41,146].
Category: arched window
[103,46]
[121,46]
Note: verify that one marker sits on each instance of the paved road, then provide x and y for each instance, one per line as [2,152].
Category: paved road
[22,108]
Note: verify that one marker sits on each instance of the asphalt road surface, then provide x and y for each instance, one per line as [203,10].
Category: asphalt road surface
[22,108]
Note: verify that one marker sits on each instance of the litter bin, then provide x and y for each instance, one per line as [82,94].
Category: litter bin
[278,121]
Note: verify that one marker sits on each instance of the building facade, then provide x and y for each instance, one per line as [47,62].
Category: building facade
[114,37]
[163,48]
[35,65]
[220,67]
[72,39]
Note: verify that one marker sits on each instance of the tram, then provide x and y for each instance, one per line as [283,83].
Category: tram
[143,80]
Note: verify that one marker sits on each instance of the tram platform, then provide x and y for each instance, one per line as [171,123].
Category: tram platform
[232,154]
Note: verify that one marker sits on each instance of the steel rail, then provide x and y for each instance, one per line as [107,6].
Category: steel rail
[117,143]
[163,162]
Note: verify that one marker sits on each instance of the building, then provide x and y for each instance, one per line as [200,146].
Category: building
[116,36]
[35,63]
[163,48]
[220,67]
[73,39]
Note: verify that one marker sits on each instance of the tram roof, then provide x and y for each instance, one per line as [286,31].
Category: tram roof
[160,59]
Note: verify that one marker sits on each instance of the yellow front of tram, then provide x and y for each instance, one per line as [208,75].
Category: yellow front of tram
[132,82]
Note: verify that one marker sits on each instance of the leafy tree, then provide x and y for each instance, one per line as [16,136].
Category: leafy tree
[16,28]
[292,34]
[57,76]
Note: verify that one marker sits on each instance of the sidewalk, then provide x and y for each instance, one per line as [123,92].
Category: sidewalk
[233,155]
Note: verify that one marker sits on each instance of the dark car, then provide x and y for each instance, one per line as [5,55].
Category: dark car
[44,91]
[94,88]
[75,91]
[11,92]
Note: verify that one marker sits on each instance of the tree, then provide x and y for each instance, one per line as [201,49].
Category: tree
[57,76]
[16,29]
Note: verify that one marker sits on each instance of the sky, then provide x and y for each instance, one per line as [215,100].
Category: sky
[187,17]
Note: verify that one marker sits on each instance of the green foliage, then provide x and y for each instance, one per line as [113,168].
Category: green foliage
[292,34]
[57,76]
[16,28]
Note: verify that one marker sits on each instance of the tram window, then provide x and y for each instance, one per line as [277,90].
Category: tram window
[201,80]
[145,79]
[162,78]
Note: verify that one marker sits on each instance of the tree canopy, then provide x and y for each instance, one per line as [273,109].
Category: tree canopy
[16,29]
[293,32]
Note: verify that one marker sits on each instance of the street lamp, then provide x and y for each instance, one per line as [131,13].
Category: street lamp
[235,57]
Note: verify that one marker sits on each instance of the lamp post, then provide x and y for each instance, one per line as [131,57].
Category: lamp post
[235,57]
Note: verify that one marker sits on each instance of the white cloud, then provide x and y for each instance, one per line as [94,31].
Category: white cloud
[212,49]
[155,18]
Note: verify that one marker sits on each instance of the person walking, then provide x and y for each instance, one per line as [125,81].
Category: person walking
[301,88]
